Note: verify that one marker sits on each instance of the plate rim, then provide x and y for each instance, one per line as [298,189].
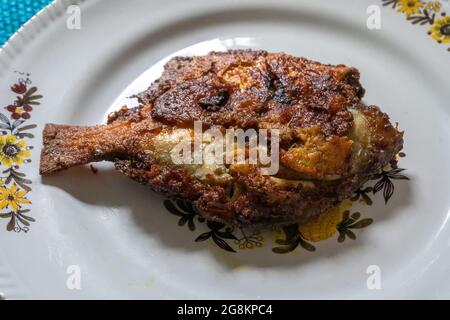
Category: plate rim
[8,52]
[37,23]
[13,47]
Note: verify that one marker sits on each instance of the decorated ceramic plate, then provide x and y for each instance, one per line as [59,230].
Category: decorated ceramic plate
[90,232]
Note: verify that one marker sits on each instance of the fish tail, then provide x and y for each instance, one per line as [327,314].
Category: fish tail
[67,146]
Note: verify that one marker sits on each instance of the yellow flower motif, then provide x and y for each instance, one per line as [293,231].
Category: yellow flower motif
[410,7]
[12,152]
[433,6]
[440,31]
[323,227]
[12,198]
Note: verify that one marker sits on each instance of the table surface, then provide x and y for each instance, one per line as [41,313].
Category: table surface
[14,13]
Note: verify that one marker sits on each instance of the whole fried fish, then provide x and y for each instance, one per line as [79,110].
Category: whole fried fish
[330,143]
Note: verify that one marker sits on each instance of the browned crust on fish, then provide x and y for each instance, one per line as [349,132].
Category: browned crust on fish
[309,102]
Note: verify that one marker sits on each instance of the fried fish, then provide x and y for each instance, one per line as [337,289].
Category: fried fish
[330,143]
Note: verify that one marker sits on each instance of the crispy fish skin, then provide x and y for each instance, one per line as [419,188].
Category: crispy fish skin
[331,143]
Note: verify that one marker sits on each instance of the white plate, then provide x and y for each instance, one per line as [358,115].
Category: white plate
[118,234]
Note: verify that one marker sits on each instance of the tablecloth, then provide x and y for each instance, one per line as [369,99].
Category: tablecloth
[14,13]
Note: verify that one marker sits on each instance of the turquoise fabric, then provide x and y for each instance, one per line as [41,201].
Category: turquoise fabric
[14,13]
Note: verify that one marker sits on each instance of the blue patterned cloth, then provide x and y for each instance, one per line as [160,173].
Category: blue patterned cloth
[14,13]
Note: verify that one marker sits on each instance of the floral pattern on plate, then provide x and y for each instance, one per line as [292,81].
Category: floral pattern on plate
[15,154]
[338,220]
[425,13]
